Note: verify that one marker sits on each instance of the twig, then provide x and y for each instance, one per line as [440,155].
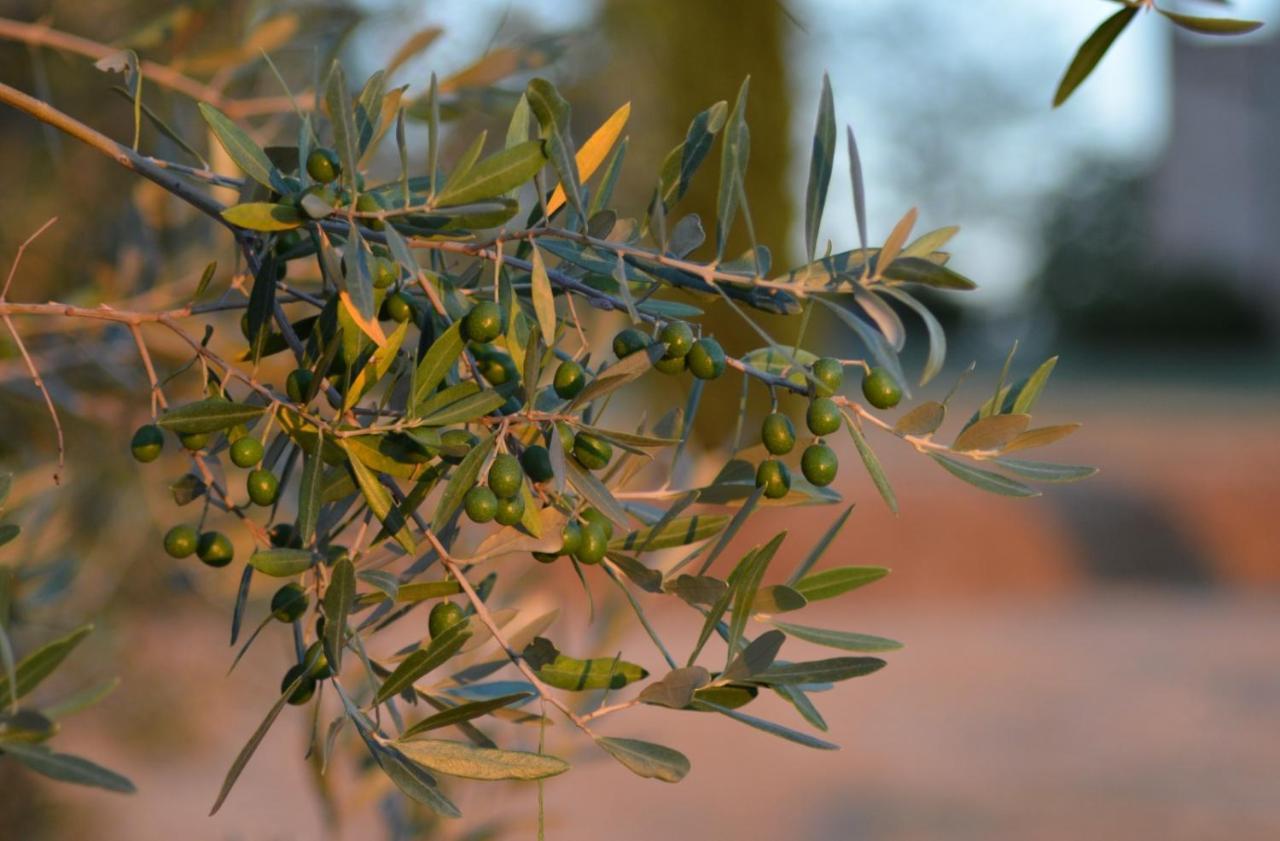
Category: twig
[26,357]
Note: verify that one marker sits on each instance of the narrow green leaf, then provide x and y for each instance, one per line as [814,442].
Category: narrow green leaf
[819,671]
[770,727]
[820,160]
[210,415]
[412,779]
[859,190]
[309,491]
[552,112]
[735,150]
[495,175]
[463,479]
[544,305]
[281,563]
[937,336]
[263,216]
[1030,390]
[467,409]
[1091,52]
[818,550]
[595,492]
[756,657]
[337,99]
[872,463]
[744,582]
[843,640]
[984,479]
[67,768]
[678,532]
[464,712]
[41,663]
[837,581]
[240,147]
[1045,471]
[880,349]
[246,752]
[459,759]
[436,362]
[926,272]
[339,597]
[1211,26]
[647,759]
[379,500]
[421,662]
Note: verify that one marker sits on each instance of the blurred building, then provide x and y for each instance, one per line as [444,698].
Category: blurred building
[1214,196]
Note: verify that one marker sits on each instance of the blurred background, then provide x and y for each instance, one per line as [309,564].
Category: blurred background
[1100,662]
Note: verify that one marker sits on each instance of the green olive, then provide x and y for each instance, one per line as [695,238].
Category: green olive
[629,341]
[536,462]
[570,379]
[774,477]
[443,616]
[706,359]
[505,476]
[180,541]
[214,549]
[819,464]
[480,504]
[881,389]
[823,416]
[289,602]
[147,443]
[777,433]
[323,165]
[246,451]
[483,323]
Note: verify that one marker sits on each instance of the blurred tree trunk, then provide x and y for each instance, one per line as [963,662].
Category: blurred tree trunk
[672,59]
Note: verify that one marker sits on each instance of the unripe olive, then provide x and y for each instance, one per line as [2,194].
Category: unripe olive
[828,375]
[569,379]
[629,341]
[385,271]
[443,616]
[147,443]
[368,203]
[672,365]
[678,337]
[881,389]
[483,323]
[593,515]
[180,541]
[505,476]
[777,433]
[289,602]
[316,662]
[306,687]
[323,165]
[774,477]
[398,308]
[194,440]
[819,464]
[298,384]
[594,544]
[263,487]
[706,359]
[823,416]
[592,451]
[480,504]
[246,451]
[510,511]
[214,549]
[536,462]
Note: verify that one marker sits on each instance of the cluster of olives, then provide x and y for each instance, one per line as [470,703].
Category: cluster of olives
[818,462]
[704,358]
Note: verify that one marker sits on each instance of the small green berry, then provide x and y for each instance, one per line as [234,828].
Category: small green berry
[592,451]
[483,324]
[289,602]
[505,476]
[678,337]
[706,359]
[819,464]
[215,549]
[443,617]
[510,511]
[457,442]
[881,389]
[147,443]
[593,515]
[323,165]
[385,271]
[316,662]
[536,462]
[672,365]
[306,685]
[246,452]
[480,504]
[368,203]
[823,416]
[594,545]
[194,441]
[777,433]
[828,375]
[263,486]
[180,541]
[629,341]
[569,380]
[774,477]
[397,308]
[284,535]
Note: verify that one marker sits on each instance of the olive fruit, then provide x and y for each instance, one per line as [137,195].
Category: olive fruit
[385,271]
[306,685]
[774,477]
[777,433]
[397,308]
[180,541]
[505,476]
[819,464]
[510,511]
[572,537]
[536,462]
[298,384]
[593,546]
[628,342]
[246,452]
[263,486]
[214,549]
[497,368]
[194,440]
[316,662]
[147,443]
[569,379]
[289,602]
[593,515]
[706,359]
[368,203]
[591,451]
[483,323]
[443,617]
[284,535]
[323,164]
[823,417]
[480,504]
[672,364]
[828,374]
[881,389]
[678,337]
